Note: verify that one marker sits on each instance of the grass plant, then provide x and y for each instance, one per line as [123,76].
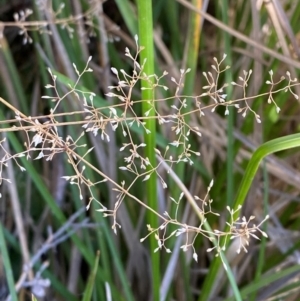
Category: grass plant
[131,151]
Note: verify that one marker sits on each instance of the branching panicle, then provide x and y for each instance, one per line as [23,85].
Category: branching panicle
[44,139]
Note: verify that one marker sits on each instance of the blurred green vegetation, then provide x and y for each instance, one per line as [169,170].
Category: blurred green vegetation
[43,216]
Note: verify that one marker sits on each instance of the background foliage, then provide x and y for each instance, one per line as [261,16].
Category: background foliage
[43,218]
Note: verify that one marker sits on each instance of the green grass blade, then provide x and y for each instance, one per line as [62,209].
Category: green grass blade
[230,117]
[14,76]
[7,266]
[263,244]
[89,288]
[264,281]
[145,25]
[264,150]
[118,264]
[191,53]
[128,15]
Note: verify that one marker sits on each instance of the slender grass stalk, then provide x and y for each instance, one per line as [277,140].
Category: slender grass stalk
[236,291]
[14,76]
[191,60]
[118,264]
[89,288]
[171,11]
[145,25]
[193,41]
[230,117]
[7,266]
[262,249]
[264,150]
